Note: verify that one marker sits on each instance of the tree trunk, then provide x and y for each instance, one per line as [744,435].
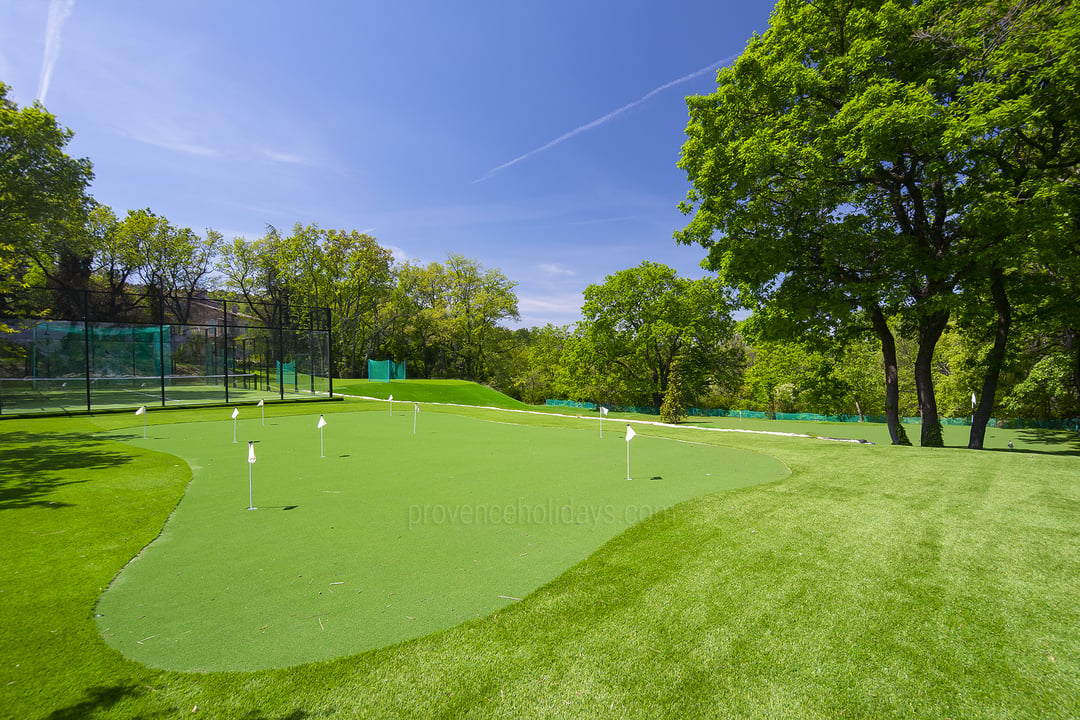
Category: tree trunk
[892,376]
[931,327]
[994,362]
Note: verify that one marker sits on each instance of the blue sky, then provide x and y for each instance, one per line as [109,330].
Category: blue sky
[539,138]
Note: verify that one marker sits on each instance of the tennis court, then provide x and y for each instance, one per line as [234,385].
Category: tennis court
[161,351]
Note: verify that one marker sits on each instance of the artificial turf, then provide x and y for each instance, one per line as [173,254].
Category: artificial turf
[873,582]
[392,535]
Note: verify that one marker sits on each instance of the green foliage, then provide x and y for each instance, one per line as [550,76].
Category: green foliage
[445,317]
[43,191]
[901,435]
[640,322]
[673,408]
[791,377]
[932,436]
[1047,390]
[888,157]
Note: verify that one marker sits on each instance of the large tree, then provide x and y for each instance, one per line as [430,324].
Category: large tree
[43,193]
[1021,64]
[839,174]
[640,323]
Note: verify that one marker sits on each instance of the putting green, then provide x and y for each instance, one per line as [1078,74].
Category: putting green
[390,536]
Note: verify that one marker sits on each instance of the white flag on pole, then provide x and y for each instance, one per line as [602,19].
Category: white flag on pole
[251,452]
[322,422]
[141,411]
[603,410]
[630,433]
[974,402]
[391,397]
[260,404]
[235,413]
[416,407]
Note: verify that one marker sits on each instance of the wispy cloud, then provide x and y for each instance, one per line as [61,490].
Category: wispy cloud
[283,157]
[604,118]
[58,13]
[176,142]
[566,303]
[556,269]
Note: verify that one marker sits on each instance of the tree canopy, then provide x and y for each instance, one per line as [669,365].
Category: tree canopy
[641,322]
[851,166]
[43,191]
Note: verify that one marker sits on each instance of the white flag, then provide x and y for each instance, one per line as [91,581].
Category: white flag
[260,404]
[630,433]
[391,397]
[251,452]
[141,411]
[322,422]
[974,402]
[416,407]
[603,410]
[235,413]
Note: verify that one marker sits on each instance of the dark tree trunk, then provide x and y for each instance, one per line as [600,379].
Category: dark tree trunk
[892,377]
[994,362]
[931,327]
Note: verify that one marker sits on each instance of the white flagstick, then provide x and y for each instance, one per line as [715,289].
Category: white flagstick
[142,411]
[603,412]
[391,405]
[973,402]
[321,425]
[251,461]
[415,412]
[235,414]
[629,436]
[262,408]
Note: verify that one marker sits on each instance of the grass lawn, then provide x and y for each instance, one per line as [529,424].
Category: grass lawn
[430,391]
[872,582]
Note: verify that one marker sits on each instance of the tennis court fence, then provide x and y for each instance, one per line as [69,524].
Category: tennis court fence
[145,348]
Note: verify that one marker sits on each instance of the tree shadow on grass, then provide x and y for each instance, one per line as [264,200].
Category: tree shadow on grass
[1059,442]
[33,466]
[97,698]
[102,698]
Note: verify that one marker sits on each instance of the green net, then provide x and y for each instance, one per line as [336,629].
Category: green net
[385,370]
[286,373]
[59,348]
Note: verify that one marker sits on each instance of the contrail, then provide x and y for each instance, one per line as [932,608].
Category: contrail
[58,12]
[604,118]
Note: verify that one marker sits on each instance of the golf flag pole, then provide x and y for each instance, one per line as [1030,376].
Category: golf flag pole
[603,412]
[974,402]
[235,414]
[391,404]
[251,461]
[262,409]
[629,436]
[321,425]
[142,411]
[415,412]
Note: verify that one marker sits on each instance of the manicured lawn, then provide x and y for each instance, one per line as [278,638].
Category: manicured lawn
[872,582]
[430,391]
[392,535]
